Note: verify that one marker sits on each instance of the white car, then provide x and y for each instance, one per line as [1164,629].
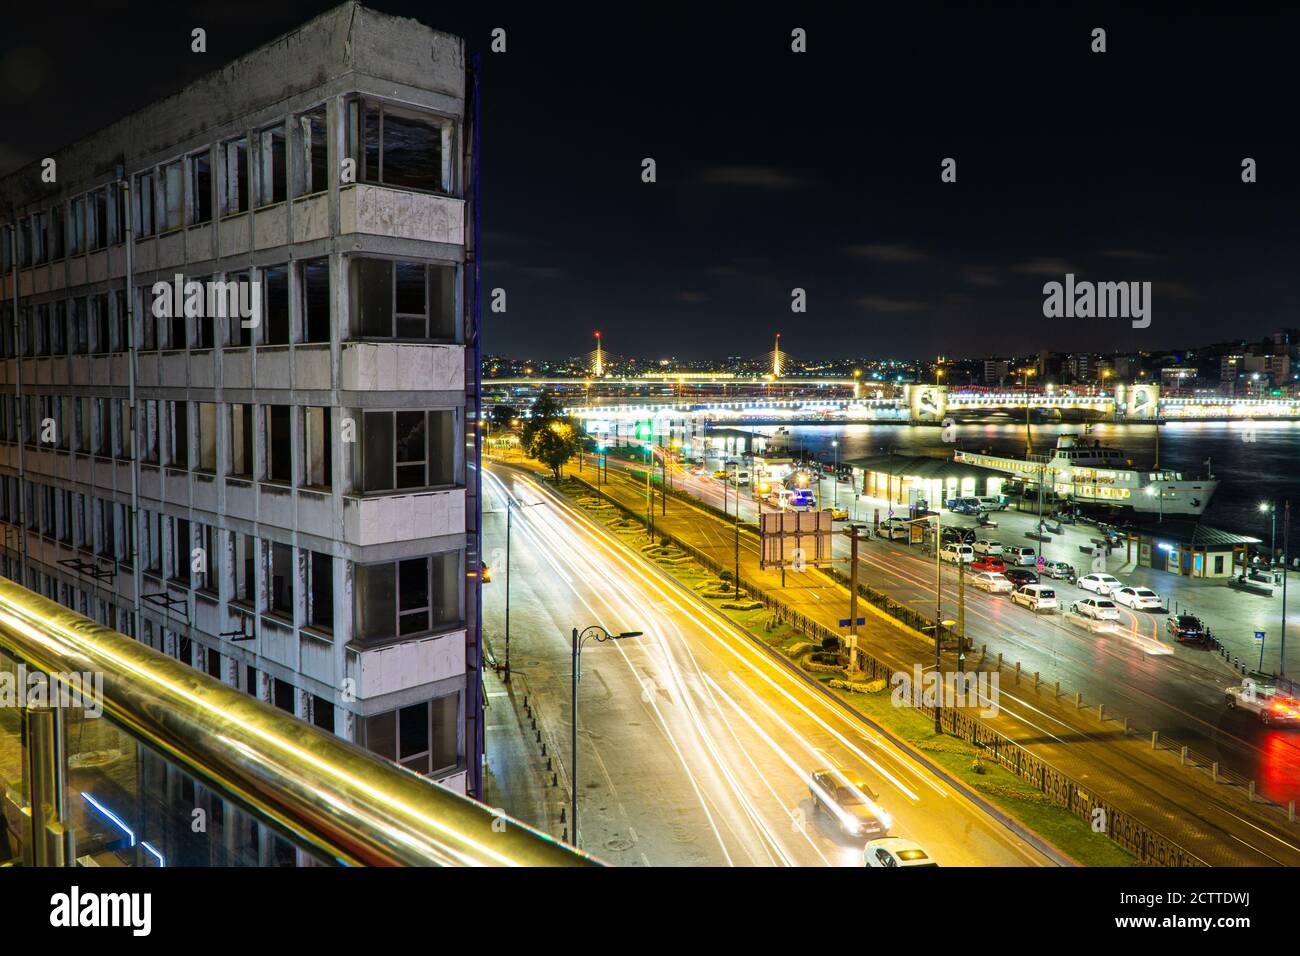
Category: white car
[1019,557]
[1100,583]
[954,553]
[992,582]
[1264,701]
[1036,597]
[894,851]
[985,546]
[1141,599]
[1099,609]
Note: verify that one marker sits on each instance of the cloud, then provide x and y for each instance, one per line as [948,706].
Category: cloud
[1138,254]
[885,303]
[887,252]
[758,177]
[980,276]
[1044,266]
[691,297]
[1175,290]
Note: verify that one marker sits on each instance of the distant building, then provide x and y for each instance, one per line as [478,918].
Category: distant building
[996,371]
[1179,375]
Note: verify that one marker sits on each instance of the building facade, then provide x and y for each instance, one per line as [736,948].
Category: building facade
[238,383]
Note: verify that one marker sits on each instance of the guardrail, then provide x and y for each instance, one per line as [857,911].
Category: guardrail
[1148,845]
[177,768]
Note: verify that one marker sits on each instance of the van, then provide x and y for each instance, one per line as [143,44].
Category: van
[1014,555]
[955,553]
[1036,597]
[742,478]
[991,503]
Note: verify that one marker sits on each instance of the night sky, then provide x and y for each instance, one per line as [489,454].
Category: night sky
[819,170]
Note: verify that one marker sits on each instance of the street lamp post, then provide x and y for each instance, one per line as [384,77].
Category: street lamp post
[1286,555]
[1271,508]
[835,477]
[579,638]
[938,612]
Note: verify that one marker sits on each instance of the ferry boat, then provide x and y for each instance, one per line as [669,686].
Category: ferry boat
[1094,474]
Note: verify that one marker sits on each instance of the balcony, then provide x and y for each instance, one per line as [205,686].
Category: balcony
[380,211]
[402,367]
[400,665]
[387,519]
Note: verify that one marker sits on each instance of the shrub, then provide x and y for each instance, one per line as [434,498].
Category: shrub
[830,643]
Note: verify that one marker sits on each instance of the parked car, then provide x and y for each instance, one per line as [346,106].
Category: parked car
[893,851]
[742,478]
[838,514]
[1264,701]
[722,474]
[988,562]
[1100,583]
[1099,609]
[1036,597]
[954,553]
[992,502]
[991,581]
[963,507]
[1187,629]
[1138,598]
[1019,555]
[894,528]
[850,803]
[1060,570]
[1019,577]
[987,546]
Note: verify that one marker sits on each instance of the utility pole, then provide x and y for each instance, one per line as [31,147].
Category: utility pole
[1286,555]
[509,510]
[938,614]
[961,614]
[853,597]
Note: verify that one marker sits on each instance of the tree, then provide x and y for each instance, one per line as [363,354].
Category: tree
[549,435]
[555,444]
[503,416]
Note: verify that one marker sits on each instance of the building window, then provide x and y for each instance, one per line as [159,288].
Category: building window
[316,300]
[405,598]
[241,441]
[200,188]
[77,241]
[178,449]
[209,573]
[408,450]
[58,232]
[279,456]
[245,573]
[144,217]
[241,334]
[207,436]
[99,323]
[403,300]
[275,310]
[320,591]
[172,207]
[422,737]
[322,713]
[311,139]
[97,211]
[318,466]
[400,147]
[234,184]
[282,694]
[271,165]
[125,432]
[180,547]
[149,440]
[280,579]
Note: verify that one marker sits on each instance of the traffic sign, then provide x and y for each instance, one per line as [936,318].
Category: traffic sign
[1259,638]
[844,622]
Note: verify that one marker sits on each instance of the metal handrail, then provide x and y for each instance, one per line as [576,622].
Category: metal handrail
[333,798]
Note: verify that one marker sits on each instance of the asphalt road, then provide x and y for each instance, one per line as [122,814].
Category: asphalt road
[695,745]
[1136,670]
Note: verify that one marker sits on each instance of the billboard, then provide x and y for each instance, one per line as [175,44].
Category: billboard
[794,539]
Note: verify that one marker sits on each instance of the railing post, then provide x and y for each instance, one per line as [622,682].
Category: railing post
[51,842]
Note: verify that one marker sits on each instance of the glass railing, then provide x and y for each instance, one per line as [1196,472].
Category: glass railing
[112,754]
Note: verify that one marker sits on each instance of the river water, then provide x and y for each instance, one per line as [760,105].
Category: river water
[1254,462]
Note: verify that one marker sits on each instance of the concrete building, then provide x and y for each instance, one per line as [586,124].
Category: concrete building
[266,467]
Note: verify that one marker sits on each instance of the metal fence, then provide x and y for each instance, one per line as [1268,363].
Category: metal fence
[1150,847]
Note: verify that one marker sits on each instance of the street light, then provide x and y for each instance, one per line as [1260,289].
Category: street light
[579,638]
[835,477]
[1271,508]
[487,577]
